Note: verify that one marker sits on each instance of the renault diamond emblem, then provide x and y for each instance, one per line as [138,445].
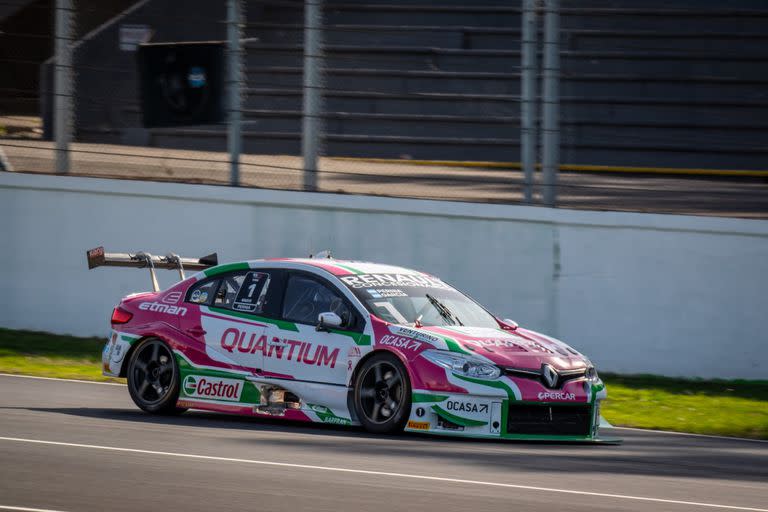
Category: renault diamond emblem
[549,375]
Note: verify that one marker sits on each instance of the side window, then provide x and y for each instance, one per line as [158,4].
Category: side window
[230,285]
[203,293]
[305,298]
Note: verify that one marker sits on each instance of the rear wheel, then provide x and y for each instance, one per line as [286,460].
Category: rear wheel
[382,394]
[153,378]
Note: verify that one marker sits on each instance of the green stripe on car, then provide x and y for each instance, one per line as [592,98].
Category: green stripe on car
[229,267]
[424,397]
[282,324]
[490,383]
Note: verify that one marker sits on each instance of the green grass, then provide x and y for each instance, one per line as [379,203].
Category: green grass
[730,408]
[51,355]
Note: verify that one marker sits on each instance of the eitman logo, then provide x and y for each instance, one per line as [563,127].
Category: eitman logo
[212,387]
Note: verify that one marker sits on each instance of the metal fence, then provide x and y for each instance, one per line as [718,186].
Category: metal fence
[638,103]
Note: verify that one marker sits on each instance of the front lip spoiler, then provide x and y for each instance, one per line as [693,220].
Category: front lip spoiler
[608,441]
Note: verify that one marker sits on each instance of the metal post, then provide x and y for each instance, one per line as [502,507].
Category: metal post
[550,136]
[62,85]
[528,71]
[311,126]
[234,88]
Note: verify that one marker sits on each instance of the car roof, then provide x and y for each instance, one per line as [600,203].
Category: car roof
[345,267]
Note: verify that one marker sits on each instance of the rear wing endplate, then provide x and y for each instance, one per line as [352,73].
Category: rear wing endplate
[98,258]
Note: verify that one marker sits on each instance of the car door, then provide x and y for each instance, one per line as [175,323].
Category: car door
[228,324]
[296,348]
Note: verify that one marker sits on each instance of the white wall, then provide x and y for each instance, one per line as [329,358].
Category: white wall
[662,294]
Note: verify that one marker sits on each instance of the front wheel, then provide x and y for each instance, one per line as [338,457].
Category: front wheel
[382,394]
[153,378]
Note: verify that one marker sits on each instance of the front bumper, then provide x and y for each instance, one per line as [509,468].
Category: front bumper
[501,412]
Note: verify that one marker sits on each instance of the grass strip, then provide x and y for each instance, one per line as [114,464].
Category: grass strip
[736,408]
[51,355]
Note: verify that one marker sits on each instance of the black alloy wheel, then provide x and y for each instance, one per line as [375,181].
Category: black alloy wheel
[382,394]
[153,378]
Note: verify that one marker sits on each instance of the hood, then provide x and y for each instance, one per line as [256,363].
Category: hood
[520,348]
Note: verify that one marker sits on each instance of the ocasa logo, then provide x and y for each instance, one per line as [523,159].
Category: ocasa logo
[475,408]
[212,387]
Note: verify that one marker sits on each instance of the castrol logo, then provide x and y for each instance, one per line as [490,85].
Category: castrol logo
[197,386]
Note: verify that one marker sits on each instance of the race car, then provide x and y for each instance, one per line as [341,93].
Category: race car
[343,342]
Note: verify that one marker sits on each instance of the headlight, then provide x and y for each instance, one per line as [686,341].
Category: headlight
[592,373]
[463,365]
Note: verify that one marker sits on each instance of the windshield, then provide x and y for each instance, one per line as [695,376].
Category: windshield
[417,299]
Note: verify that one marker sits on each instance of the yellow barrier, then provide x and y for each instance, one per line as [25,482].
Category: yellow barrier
[567,167]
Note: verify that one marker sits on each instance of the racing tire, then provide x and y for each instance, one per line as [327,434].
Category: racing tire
[382,394]
[153,378]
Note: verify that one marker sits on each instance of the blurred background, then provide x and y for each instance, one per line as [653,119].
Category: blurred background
[633,105]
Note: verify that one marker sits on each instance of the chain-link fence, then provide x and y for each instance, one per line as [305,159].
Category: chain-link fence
[621,104]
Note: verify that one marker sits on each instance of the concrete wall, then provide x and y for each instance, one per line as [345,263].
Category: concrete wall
[660,294]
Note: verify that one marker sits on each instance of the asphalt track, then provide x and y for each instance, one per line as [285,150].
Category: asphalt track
[69,446]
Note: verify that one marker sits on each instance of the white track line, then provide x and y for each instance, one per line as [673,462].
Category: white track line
[383,473]
[728,438]
[27,509]
[64,380]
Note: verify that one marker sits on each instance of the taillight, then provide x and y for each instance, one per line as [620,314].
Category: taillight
[121,316]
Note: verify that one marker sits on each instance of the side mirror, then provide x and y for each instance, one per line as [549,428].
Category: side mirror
[327,320]
[510,323]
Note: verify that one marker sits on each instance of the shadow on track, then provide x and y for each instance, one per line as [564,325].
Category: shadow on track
[648,454]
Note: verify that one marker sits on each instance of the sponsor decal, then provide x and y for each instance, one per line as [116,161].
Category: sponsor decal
[198,296]
[399,342]
[384,293]
[516,343]
[118,351]
[393,280]
[496,342]
[163,308]
[467,407]
[303,352]
[418,425]
[556,395]
[353,354]
[212,387]
[326,415]
[415,334]
[172,298]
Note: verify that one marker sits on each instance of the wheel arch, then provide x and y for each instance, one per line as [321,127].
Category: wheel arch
[134,345]
[356,370]
[371,354]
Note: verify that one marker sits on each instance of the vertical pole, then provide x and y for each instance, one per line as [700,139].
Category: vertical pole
[234,88]
[550,136]
[311,127]
[528,70]
[62,85]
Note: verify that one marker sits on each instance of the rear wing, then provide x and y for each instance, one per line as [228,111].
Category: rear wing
[98,258]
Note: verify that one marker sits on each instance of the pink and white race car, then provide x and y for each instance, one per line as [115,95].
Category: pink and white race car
[343,342]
